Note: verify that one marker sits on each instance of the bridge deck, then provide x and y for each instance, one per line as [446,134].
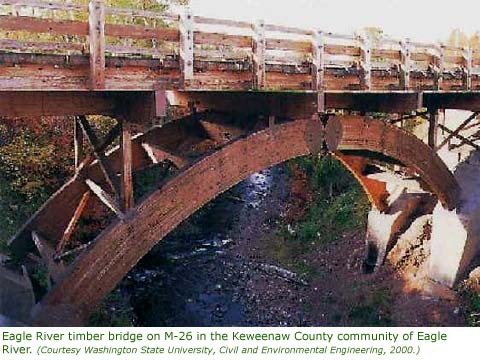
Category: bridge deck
[52,46]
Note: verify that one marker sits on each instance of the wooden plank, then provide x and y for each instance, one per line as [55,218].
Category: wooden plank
[42,4]
[454,59]
[105,198]
[259,47]
[421,56]
[137,51]
[40,46]
[78,143]
[27,104]
[292,58]
[157,154]
[220,39]
[390,54]
[96,40]
[288,29]
[222,22]
[37,25]
[73,222]
[126,194]
[287,44]
[141,32]
[222,55]
[100,155]
[344,50]
[47,253]
[141,13]
[186,48]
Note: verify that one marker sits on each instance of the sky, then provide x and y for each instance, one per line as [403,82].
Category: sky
[419,20]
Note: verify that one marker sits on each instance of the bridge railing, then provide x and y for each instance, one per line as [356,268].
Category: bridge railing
[101,47]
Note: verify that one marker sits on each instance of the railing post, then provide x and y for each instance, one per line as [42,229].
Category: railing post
[96,39]
[467,54]
[259,47]
[366,62]
[186,47]
[406,64]
[440,65]
[318,68]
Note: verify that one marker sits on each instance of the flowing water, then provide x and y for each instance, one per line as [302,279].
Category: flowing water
[192,280]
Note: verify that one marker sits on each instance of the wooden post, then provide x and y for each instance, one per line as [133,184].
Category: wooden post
[127,177]
[271,121]
[186,47]
[78,143]
[441,66]
[433,128]
[365,46]
[467,54]
[406,64]
[96,39]
[318,69]
[259,46]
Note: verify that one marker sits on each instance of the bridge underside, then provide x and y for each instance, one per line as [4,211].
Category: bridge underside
[209,152]
[142,106]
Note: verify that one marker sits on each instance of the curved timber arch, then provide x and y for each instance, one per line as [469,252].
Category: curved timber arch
[358,133]
[119,247]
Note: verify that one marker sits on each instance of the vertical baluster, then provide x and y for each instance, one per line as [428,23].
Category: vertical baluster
[259,48]
[318,68]
[406,63]
[96,39]
[467,54]
[441,66]
[186,47]
[365,46]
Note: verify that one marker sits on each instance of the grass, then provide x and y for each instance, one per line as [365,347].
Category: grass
[339,205]
[374,311]
[471,303]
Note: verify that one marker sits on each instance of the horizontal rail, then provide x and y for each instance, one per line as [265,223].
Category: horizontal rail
[204,52]
[48,5]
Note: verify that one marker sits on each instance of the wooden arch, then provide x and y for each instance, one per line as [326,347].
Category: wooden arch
[226,162]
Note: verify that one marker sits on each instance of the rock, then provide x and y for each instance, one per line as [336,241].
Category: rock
[473,280]
[408,240]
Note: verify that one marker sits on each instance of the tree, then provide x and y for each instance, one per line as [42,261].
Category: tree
[458,38]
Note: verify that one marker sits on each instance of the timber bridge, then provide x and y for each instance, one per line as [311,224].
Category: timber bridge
[253,94]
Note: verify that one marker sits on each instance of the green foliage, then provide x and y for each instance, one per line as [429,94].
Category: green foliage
[339,205]
[339,202]
[40,281]
[471,303]
[36,158]
[374,311]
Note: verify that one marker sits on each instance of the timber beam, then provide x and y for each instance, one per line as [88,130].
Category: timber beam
[458,136]
[455,132]
[110,176]
[140,106]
